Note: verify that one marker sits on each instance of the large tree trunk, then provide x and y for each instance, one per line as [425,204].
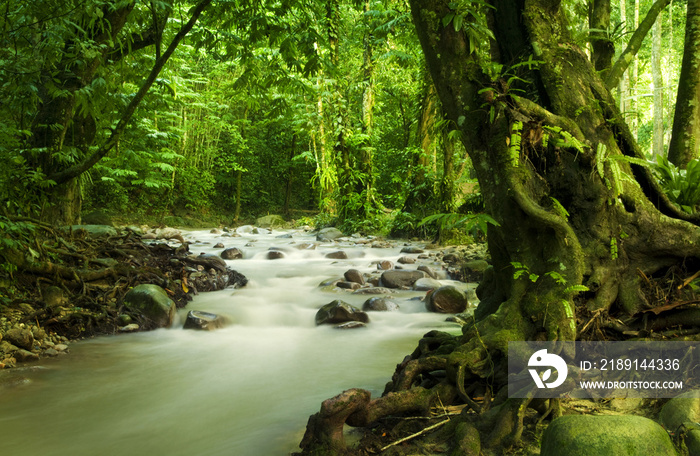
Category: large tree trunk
[570,210]
[685,145]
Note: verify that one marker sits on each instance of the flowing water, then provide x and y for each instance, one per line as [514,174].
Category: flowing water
[246,389]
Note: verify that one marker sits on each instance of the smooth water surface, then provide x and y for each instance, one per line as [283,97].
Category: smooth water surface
[247,389]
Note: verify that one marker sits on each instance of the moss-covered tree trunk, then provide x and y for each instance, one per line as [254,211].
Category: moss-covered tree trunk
[552,164]
[685,139]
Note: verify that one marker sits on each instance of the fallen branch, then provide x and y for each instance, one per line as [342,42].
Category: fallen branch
[417,434]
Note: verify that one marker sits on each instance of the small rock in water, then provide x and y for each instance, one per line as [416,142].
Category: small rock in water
[129,328]
[339,312]
[373,290]
[203,320]
[274,255]
[232,254]
[411,249]
[380,305]
[385,265]
[351,325]
[219,245]
[406,260]
[339,255]
[353,275]
[447,299]
[348,285]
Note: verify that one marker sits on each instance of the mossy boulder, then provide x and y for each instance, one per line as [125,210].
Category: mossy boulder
[152,303]
[447,299]
[589,435]
[270,221]
[339,312]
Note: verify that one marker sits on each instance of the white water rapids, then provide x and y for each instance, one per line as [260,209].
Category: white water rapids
[244,390]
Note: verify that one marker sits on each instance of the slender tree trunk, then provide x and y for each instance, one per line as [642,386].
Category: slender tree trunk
[685,144]
[622,88]
[658,81]
[599,21]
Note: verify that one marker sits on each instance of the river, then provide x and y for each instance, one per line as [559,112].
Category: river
[244,390]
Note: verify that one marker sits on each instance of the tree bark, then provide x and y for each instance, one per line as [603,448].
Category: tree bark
[658,81]
[684,144]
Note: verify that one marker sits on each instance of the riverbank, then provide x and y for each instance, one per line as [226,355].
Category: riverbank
[70,284]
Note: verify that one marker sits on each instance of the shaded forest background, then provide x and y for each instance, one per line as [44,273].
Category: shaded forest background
[321,110]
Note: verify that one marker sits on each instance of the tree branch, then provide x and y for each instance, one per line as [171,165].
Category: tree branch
[634,44]
[76,170]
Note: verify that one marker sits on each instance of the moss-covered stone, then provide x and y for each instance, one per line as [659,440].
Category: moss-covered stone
[152,303]
[587,435]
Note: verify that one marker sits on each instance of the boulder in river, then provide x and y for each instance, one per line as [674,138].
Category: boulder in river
[337,255]
[339,312]
[274,255]
[203,320]
[447,299]
[152,302]
[395,278]
[380,304]
[233,253]
[328,234]
[353,275]
[207,260]
[412,249]
[426,284]
[372,290]
[270,221]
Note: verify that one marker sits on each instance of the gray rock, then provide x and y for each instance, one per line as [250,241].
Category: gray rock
[208,260]
[328,234]
[428,270]
[406,260]
[270,221]
[372,290]
[203,320]
[412,249]
[284,236]
[395,278]
[152,302]
[379,304]
[447,299]
[306,246]
[50,352]
[24,356]
[348,285]
[338,255]
[339,312]
[385,265]
[275,255]
[351,325]
[381,245]
[234,253]
[605,435]
[20,337]
[131,327]
[426,284]
[245,229]
[450,258]
[219,245]
[353,275]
